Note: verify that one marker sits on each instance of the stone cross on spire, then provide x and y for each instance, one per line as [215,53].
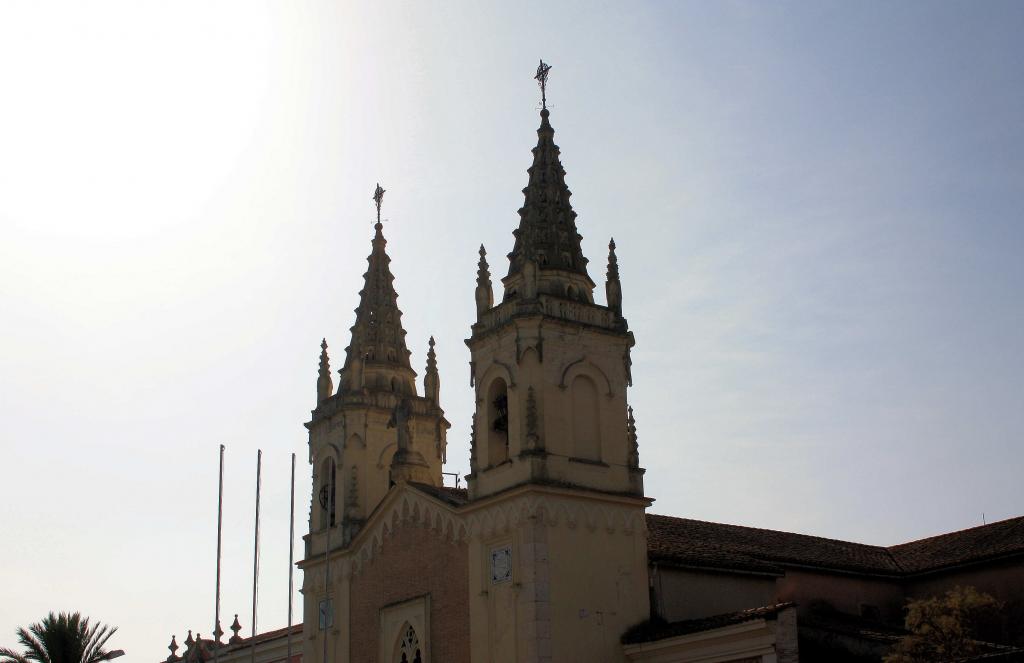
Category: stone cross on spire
[542,80]
[378,197]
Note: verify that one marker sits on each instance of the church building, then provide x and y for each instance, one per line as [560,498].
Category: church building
[548,554]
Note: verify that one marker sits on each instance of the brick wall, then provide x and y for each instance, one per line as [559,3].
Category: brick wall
[414,561]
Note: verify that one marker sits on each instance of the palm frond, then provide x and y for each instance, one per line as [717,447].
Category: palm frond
[61,638]
[97,639]
[11,656]
[36,650]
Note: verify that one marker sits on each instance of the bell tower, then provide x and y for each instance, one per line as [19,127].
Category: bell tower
[376,430]
[555,475]
[550,365]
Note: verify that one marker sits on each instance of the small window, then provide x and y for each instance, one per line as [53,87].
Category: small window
[326,614]
[409,648]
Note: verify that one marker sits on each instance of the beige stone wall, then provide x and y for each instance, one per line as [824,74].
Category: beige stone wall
[579,576]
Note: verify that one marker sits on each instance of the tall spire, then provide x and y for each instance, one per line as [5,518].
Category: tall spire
[378,339]
[547,232]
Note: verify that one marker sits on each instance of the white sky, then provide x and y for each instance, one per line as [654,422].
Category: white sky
[817,208]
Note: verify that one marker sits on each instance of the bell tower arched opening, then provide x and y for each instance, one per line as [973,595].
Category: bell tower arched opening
[327,493]
[497,422]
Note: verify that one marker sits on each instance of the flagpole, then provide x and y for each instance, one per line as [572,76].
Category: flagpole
[327,550]
[220,520]
[256,554]
[291,560]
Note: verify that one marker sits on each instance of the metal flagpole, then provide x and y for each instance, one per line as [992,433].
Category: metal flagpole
[220,519]
[328,606]
[291,560]
[256,554]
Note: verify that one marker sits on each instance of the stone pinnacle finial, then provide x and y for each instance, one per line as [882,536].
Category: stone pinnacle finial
[174,650]
[378,197]
[612,287]
[189,641]
[484,290]
[324,384]
[235,628]
[472,445]
[217,632]
[634,447]
[613,261]
[431,378]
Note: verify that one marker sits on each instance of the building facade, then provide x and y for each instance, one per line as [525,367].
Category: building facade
[549,554]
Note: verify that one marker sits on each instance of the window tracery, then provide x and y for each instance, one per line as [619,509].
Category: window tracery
[409,647]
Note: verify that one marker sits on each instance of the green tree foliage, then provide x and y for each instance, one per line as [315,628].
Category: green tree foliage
[942,628]
[63,638]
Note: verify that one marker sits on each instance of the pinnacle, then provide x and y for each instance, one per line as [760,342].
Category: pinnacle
[613,262]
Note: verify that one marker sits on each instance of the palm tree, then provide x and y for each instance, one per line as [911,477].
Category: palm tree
[62,638]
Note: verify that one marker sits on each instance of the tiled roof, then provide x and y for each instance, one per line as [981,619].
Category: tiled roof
[650,631]
[697,543]
[1005,537]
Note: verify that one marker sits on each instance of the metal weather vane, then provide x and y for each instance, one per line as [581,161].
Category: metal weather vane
[542,80]
[378,197]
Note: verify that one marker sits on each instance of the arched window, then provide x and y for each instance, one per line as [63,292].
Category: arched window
[409,647]
[585,425]
[327,495]
[497,422]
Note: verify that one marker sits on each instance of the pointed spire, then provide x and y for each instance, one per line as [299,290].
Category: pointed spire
[612,287]
[431,378]
[324,384]
[547,223]
[484,290]
[189,641]
[174,650]
[377,335]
